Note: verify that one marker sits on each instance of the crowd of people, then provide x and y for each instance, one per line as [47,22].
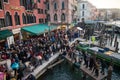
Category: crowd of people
[91,62]
[31,53]
[26,55]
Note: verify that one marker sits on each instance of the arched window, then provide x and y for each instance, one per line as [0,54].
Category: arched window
[48,6]
[48,17]
[55,5]
[34,19]
[8,19]
[17,19]
[1,4]
[24,18]
[63,5]
[28,18]
[83,14]
[55,17]
[83,6]
[63,17]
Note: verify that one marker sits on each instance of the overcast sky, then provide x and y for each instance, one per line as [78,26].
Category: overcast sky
[106,3]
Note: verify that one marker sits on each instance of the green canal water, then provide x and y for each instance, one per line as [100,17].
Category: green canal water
[65,71]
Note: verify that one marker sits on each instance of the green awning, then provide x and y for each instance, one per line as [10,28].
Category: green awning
[38,29]
[5,33]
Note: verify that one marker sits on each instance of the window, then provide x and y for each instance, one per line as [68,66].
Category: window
[63,5]
[22,2]
[2,23]
[48,17]
[34,19]
[83,14]
[17,19]
[28,18]
[63,17]
[24,18]
[46,20]
[83,6]
[39,1]
[55,17]
[41,20]
[1,4]
[55,6]
[6,1]
[48,6]
[29,4]
[8,19]
[45,11]
[40,11]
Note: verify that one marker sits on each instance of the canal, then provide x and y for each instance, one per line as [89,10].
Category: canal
[65,71]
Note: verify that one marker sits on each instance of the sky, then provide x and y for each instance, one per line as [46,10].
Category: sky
[106,3]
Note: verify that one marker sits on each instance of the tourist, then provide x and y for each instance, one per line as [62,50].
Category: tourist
[91,63]
[103,65]
[97,66]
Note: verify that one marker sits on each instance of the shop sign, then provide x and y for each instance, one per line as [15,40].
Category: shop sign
[15,31]
[15,8]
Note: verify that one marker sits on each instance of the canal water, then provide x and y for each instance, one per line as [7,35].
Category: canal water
[65,71]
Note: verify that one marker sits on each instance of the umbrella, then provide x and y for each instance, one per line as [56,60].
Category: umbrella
[79,28]
[15,65]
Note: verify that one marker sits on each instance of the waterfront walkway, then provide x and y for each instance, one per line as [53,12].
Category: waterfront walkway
[42,68]
[88,72]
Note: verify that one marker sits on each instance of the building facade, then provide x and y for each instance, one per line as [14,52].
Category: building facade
[61,11]
[15,14]
[86,11]
[109,14]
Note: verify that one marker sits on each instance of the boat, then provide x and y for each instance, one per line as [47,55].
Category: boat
[105,53]
[83,46]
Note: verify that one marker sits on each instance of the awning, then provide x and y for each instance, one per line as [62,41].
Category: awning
[38,29]
[5,33]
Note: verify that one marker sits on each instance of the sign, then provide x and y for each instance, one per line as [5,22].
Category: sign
[15,8]
[15,31]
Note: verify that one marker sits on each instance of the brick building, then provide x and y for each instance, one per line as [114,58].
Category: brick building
[15,14]
[61,11]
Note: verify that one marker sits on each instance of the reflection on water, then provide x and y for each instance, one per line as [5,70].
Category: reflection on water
[65,72]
